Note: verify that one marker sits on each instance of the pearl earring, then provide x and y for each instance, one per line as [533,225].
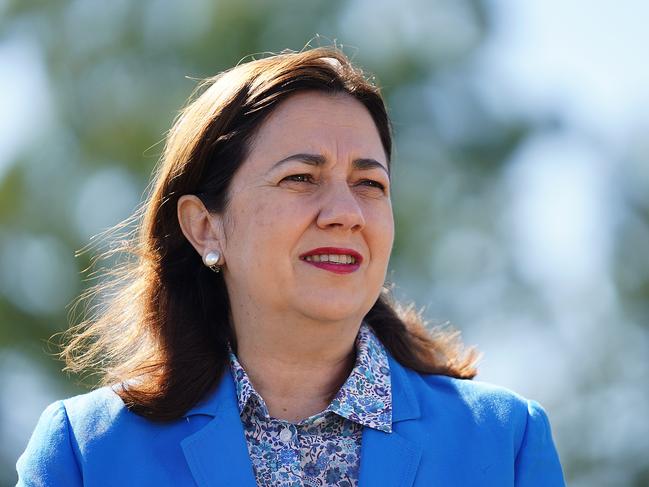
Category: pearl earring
[212,259]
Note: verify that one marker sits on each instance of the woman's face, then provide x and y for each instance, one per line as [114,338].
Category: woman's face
[315,184]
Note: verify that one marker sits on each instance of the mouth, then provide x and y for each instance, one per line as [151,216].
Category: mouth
[333,259]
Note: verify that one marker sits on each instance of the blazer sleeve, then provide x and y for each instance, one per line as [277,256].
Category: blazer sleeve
[537,461]
[49,459]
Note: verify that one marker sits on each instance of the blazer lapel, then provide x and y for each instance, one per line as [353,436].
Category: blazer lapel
[392,459]
[217,454]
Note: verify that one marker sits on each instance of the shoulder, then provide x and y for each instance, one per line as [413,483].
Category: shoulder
[491,416]
[100,421]
[482,399]
[87,436]
[82,421]
[94,410]
[477,408]
[53,454]
[472,432]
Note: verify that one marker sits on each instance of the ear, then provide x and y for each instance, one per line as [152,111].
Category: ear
[203,229]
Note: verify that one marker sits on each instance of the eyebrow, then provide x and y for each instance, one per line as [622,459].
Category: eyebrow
[363,164]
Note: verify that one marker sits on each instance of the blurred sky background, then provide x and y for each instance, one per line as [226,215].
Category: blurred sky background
[521,185]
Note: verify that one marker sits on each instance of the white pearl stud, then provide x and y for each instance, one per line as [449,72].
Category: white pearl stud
[211,260]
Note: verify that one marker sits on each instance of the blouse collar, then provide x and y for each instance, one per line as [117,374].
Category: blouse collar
[364,398]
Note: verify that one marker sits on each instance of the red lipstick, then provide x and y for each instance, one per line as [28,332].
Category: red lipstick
[349,260]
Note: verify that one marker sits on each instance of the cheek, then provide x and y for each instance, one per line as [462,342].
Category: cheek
[262,233]
[382,231]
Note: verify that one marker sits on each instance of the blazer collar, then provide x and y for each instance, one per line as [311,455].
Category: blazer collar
[217,454]
[392,459]
[404,401]
[219,399]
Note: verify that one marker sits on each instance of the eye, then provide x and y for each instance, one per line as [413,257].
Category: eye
[299,178]
[372,184]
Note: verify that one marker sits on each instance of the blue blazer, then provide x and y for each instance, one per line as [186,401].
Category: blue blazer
[446,432]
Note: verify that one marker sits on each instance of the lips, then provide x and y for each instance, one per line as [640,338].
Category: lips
[334,259]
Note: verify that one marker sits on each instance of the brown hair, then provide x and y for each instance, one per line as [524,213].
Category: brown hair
[163,326]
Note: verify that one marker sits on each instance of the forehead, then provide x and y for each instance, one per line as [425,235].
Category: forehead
[336,126]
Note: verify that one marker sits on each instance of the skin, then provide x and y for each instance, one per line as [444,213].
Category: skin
[295,323]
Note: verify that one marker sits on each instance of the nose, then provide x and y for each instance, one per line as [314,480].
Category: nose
[340,209]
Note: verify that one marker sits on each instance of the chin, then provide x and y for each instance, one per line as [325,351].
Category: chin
[335,310]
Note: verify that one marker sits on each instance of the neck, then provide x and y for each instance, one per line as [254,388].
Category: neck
[297,366]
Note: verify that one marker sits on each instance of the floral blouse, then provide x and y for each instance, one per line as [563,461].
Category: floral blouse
[323,449]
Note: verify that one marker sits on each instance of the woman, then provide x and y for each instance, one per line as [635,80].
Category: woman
[249,342]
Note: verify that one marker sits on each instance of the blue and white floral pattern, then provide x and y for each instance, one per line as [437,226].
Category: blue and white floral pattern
[324,449]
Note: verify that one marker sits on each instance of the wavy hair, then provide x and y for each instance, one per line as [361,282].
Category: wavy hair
[160,325]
